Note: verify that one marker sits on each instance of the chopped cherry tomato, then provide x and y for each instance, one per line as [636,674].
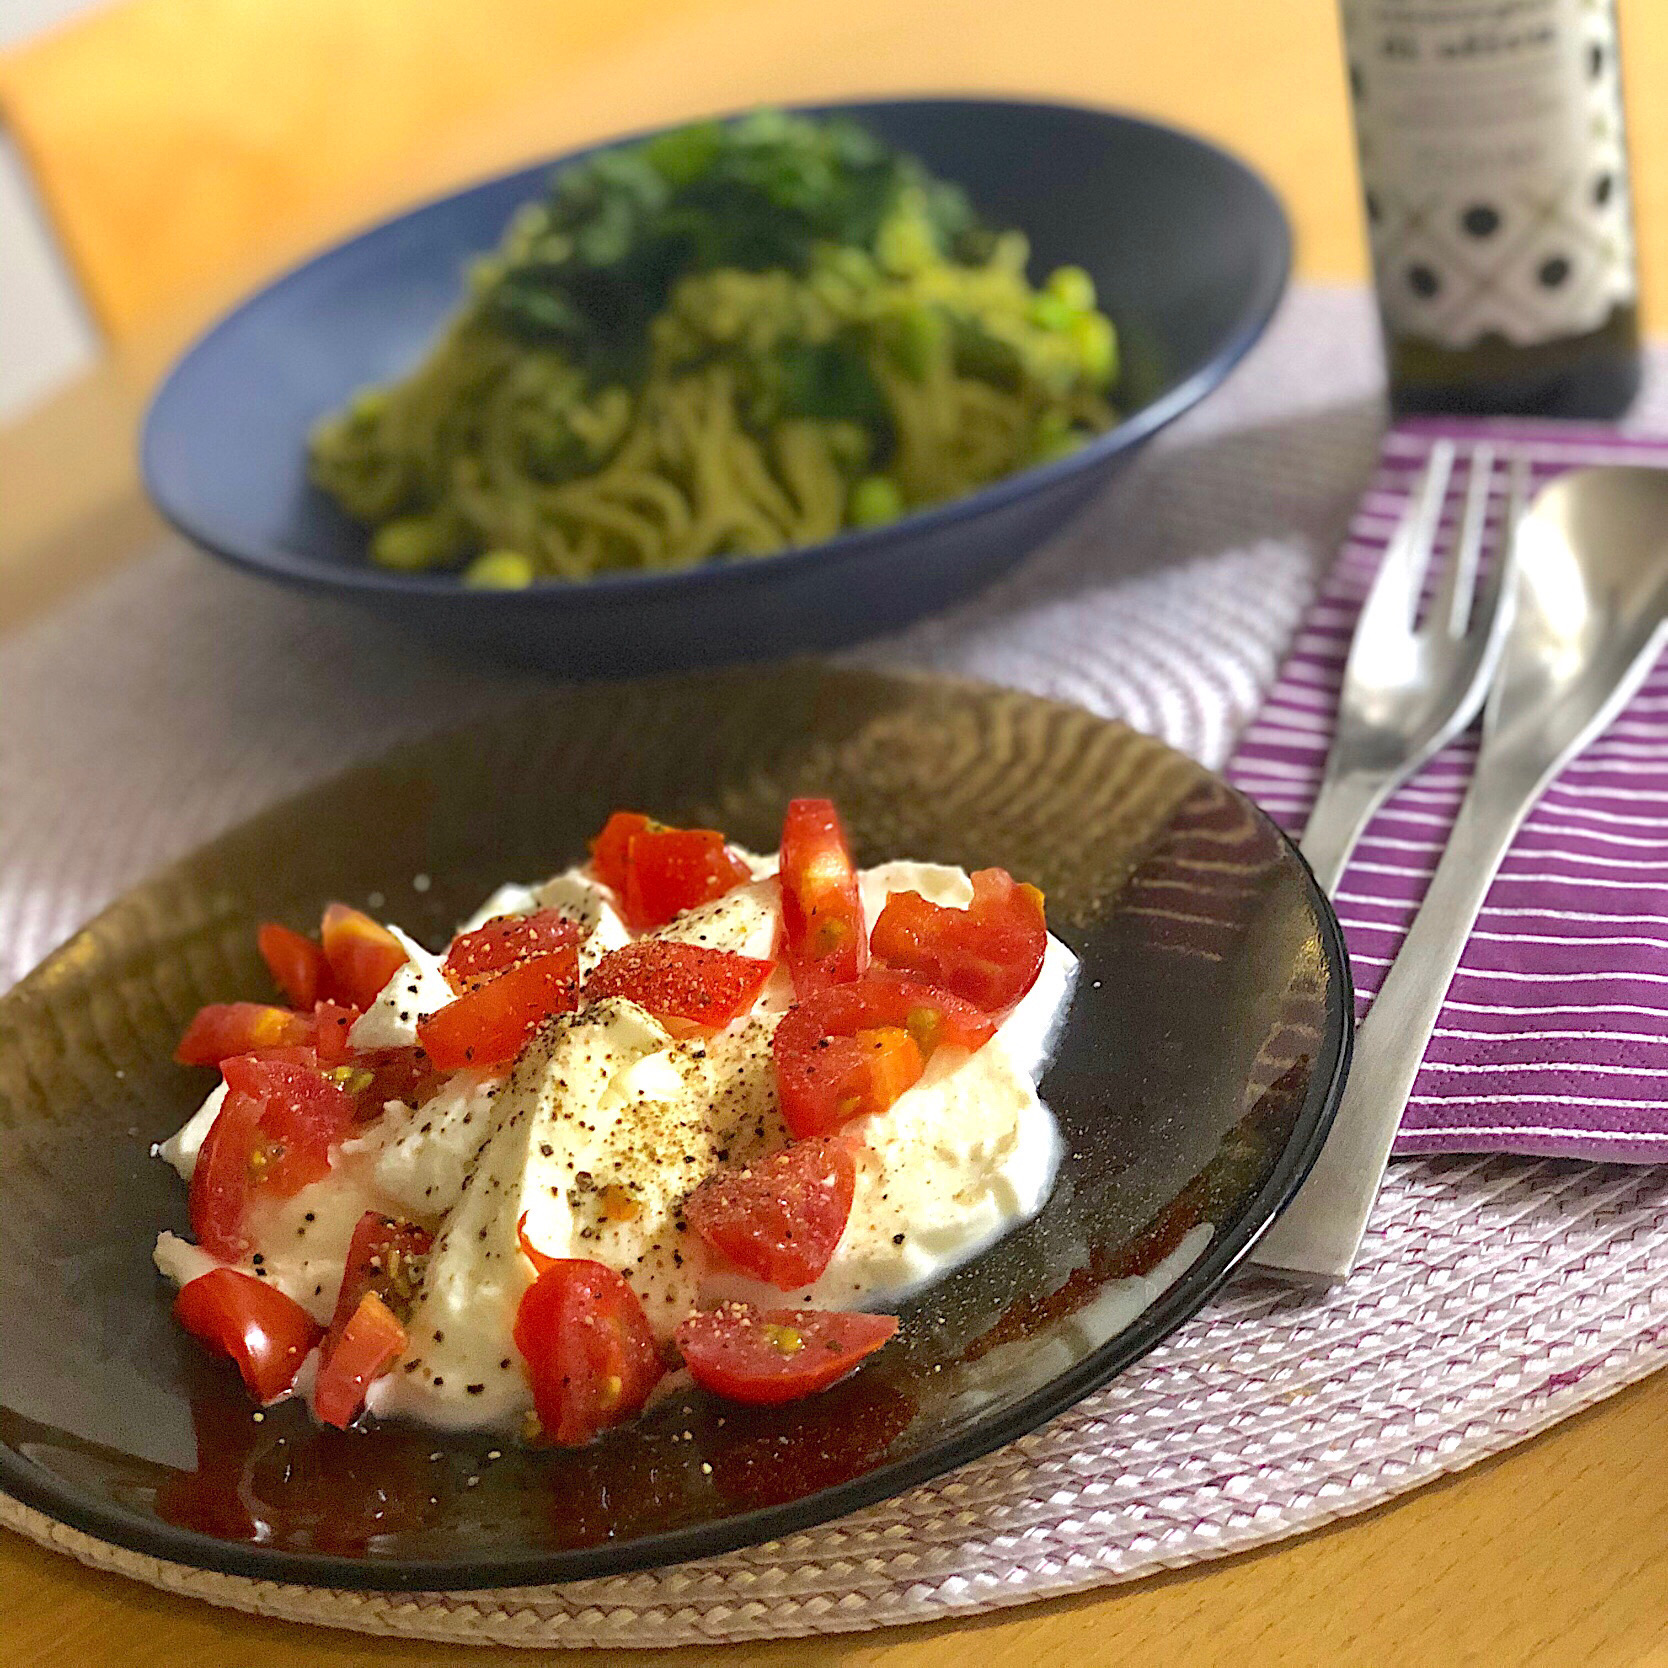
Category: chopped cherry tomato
[990,952]
[781,1216]
[222,1179]
[851,1050]
[370,1342]
[772,1356]
[674,869]
[385,1256]
[539,1259]
[363,955]
[828,1081]
[372,1076]
[367,1335]
[588,1348]
[296,963]
[273,1134]
[493,1023]
[380,1075]
[506,940]
[267,1334]
[702,987]
[303,1115]
[611,849]
[332,1022]
[658,872]
[822,906]
[223,1029]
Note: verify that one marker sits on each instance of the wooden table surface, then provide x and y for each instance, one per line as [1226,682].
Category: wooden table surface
[1555,1553]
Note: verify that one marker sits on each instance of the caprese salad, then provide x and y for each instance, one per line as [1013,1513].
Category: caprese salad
[681,1110]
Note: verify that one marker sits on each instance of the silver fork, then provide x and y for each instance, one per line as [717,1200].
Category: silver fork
[1410,688]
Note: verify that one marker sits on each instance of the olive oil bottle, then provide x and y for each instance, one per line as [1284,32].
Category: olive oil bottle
[1495,176]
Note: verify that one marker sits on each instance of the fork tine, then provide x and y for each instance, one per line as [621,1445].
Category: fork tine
[1518,485]
[1394,598]
[1450,609]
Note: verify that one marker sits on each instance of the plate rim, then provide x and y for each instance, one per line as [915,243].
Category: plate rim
[40,1490]
[628,588]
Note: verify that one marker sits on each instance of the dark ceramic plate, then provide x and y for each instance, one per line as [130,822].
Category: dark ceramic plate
[1200,1063]
[1188,249]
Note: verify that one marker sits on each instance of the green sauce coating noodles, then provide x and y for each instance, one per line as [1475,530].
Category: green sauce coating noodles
[719,343]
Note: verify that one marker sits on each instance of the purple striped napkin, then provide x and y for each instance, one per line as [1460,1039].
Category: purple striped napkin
[1554,1037]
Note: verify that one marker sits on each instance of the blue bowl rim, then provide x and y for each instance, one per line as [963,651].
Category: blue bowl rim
[845,548]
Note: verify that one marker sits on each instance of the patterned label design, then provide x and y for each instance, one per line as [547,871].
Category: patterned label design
[1494,162]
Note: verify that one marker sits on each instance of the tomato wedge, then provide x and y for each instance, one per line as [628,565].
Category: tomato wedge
[273,1134]
[781,1216]
[702,987]
[296,963]
[223,1029]
[372,1076]
[851,1050]
[658,872]
[588,1348]
[267,1334]
[674,869]
[367,1346]
[332,1023]
[367,1334]
[506,940]
[302,1116]
[493,1023]
[822,906]
[611,849]
[539,1259]
[223,1177]
[380,1075]
[768,1357]
[990,953]
[384,1256]
[362,954]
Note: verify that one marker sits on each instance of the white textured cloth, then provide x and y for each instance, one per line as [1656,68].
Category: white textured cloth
[178,698]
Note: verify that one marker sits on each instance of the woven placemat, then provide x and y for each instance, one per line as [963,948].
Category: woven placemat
[1496,1295]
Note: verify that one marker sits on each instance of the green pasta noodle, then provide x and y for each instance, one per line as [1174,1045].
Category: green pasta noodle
[713,345]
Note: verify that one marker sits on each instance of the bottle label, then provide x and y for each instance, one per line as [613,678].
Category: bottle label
[1494,162]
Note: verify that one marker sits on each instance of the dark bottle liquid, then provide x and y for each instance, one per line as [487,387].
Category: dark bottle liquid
[1494,161]
[1594,374]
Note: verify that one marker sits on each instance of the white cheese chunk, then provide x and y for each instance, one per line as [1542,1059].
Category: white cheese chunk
[303,1240]
[181,1148]
[938,883]
[1030,1032]
[510,899]
[181,1261]
[421,1155]
[583,900]
[416,991]
[743,922]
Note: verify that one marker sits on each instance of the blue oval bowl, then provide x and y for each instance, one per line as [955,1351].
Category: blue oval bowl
[1189,251]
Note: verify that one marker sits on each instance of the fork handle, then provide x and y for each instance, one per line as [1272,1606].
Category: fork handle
[1317,1235]
[1342,809]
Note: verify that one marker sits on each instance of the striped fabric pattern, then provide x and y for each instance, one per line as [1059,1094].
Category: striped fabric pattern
[1554,1037]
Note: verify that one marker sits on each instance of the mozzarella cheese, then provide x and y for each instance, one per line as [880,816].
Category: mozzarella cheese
[181,1148]
[416,991]
[605,1125]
